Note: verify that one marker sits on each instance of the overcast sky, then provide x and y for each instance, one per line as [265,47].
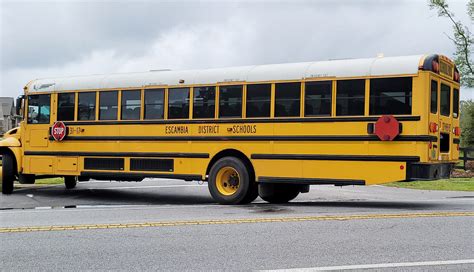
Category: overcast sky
[60,38]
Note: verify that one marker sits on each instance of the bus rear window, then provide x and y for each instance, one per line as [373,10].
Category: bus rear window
[455,103]
[39,109]
[445,102]
[66,104]
[390,95]
[434,97]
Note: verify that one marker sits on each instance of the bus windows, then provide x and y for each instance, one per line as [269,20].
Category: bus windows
[445,103]
[204,102]
[131,104]
[455,103]
[317,98]
[390,95]
[434,97]
[154,103]
[350,95]
[86,108]
[230,101]
[178,103]
[258,100]
[287,99]
[108,105]
[39,109]
[66,105]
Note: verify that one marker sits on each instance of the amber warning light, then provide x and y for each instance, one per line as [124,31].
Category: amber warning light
[435,65]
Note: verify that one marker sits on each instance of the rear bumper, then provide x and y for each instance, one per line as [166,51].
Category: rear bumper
[429,171]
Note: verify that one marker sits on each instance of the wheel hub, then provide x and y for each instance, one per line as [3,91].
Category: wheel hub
[227,181]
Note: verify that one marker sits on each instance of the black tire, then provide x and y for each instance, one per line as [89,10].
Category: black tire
[244,193]
[70,182]
[8,173]
[252,193]
[278,193]
[26,179]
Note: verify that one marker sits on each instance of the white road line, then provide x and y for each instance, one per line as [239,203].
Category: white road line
[372,266]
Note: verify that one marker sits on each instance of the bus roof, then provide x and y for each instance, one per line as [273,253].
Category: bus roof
[379,66]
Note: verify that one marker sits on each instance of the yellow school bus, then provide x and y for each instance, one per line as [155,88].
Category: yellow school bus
[264,130]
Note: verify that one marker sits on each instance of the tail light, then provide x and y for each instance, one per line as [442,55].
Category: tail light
[457,131]
[434,127]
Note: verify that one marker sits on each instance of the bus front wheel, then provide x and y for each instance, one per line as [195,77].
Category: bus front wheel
[70,182]
[8,173]
[230,182]
[278,193]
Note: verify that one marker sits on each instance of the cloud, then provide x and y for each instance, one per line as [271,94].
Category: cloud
[95,38]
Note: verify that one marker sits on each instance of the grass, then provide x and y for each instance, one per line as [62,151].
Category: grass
[453,184]
[50,181]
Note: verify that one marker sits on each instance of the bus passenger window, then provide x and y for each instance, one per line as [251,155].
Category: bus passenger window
[434,97]
[390,95]
[204,102]
[108,105]
[154,103]
[445,103]
[287,99]
[131,104]
[317,98]
[455,103]
[258,100]
[350,97]
[86,108]
[39,109]
[178,103]
[66,104]
[230,101]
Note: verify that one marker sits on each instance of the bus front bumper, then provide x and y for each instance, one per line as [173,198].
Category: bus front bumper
[429,171]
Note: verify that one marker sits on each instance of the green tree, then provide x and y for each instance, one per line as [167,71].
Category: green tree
[463,39]
[467,123]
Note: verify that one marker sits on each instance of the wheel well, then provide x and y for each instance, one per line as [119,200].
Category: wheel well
[6,150]
[231,153]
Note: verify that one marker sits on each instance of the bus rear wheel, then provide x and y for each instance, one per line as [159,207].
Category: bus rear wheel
[278,193]
[230,182]
[70,182]
[26,179]
[8,173]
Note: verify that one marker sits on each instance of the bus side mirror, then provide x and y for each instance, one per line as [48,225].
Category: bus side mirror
[19,103]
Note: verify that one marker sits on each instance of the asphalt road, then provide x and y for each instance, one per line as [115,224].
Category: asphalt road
[174,225]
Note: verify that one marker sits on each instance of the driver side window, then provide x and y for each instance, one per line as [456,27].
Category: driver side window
[39,109]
